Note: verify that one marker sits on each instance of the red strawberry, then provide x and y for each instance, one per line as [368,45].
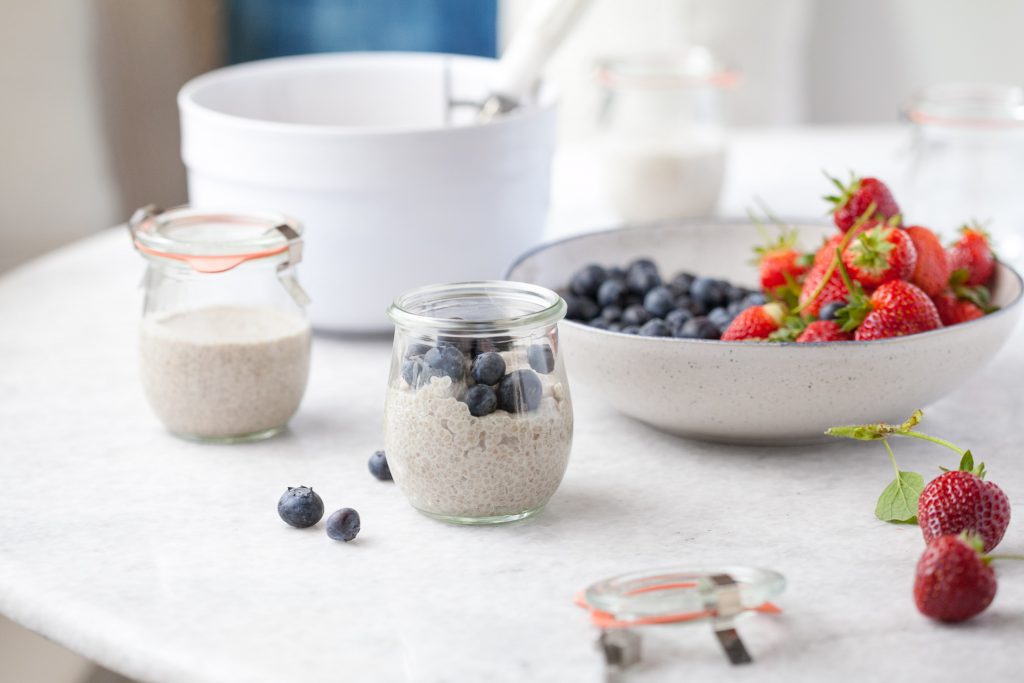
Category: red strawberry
[776,264]
[953,581]
[897,308]
[854,200]
[756,322]
[932,271]
[827,251]
[953,310]
[833,290]
[823,331]
[962,500]
[879,254]
[973,253]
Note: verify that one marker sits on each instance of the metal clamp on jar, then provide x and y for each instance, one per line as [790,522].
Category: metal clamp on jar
[225,342]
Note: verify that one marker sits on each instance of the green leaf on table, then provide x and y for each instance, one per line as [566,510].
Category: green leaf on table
[859,432]
[898,502]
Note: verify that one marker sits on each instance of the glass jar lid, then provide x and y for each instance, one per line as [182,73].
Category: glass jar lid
[695,66]
[214,241]
[968,105]
[477,308]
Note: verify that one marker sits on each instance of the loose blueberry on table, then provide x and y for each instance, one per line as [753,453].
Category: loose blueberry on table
[343,525]
[300,506]
[378,465]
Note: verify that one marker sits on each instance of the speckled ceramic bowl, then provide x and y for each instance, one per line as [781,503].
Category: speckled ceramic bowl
[754,392]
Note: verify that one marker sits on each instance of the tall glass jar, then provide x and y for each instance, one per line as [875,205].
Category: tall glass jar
[478,419]
[967,161]
[224,339]
[662,135]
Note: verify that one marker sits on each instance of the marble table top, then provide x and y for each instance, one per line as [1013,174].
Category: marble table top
[165,560]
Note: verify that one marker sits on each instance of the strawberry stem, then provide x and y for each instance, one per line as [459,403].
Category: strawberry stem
[925,437]
[1004,557]
[892,457]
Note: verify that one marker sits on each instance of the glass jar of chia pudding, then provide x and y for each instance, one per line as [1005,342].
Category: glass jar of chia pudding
[224,340]
[478,419]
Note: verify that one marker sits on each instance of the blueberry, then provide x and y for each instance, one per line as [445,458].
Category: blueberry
[753,299]
[446,360]
[300,506]
[655,328]
[642,264]
[659,301]
[343,525]
[708,292]
[720,317]
[379,466]
[587,279]
[735,308]
[614,327]
[488,368]
[611,313]
[681,283]
[600,323]
[415,350]
[630,329]
[635,315]
[699,328]
[579,307]
[617,272]
[611,293]
[828,311]
[520,391]
[734,293]
[640,280]
[481,400]
[541,357]
[416,373]
[677,317]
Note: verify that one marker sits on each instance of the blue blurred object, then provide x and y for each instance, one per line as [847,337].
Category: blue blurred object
[273,28]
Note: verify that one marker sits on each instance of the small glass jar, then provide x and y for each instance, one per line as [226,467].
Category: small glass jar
[662,134]
[478,419]
[224,339]
[966,161]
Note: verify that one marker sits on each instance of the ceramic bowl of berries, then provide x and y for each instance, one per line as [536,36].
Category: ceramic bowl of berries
[676,325]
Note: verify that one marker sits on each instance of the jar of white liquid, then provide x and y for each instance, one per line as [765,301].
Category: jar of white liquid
[224,341]
[662,137]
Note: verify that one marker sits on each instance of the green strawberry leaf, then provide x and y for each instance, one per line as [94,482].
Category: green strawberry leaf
[967,462]
[898,502]
[859,432]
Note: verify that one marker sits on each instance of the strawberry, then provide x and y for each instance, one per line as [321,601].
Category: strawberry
[973,253]
[859,197]
[932,270]
[954,310]
[780,266]
[895,309]
[823,331]
[961,500]
[882,252]
[756,322]
[833,290]
[953,581]
[827,251]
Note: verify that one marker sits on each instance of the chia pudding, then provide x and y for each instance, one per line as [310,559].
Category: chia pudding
[453,464]
[227,372]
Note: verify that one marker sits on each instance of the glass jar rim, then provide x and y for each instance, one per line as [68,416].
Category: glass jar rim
[550,307]
[229,238]
[694,66]
[967,105]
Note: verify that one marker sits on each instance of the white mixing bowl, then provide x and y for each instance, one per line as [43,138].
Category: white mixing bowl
[356,147]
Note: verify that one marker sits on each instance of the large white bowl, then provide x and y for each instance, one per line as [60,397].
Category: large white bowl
[754,392]
[356,147]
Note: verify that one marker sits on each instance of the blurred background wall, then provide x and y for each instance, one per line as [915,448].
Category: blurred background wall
[89,122]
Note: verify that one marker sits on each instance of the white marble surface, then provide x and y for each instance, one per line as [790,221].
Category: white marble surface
[165,560]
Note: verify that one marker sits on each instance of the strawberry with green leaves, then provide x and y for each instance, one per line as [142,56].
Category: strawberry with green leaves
[973,253]
[961,500]
[932,271]
[780,264]
[755,323]
[953,310]
[860,198]
[882,252]
[823,284]
[895,309]
[953,580]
